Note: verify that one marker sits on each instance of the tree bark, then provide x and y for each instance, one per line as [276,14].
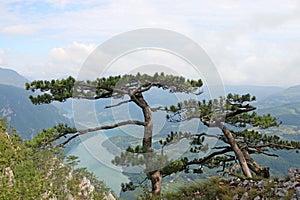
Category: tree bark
[148,129]
[156,179]
[156,176]
[255,167]
[237,151]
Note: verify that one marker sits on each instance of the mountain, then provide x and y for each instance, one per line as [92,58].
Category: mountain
[288,114]
[44,174]
[261,92]
[286,96]
[27,118]
[11,77]
[285,105]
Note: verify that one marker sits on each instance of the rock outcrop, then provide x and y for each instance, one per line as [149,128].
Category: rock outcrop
[288,188]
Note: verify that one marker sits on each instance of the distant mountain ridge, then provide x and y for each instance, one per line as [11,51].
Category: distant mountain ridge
[285,105]
[286,96]
[260,92]
[28,119]
[15,105]
[11,77]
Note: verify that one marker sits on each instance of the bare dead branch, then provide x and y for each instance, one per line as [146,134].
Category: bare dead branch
[205,159]
[67,141]
[157,108]
[118,104]
[135,122]
[208,135]
[265,153]
[222,147]
[106,127]
[272,145]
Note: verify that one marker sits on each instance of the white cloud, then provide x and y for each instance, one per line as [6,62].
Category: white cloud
[272,64]
[61,4]
[60,61]
[1,54]
[49,70]
[250,43]
[21,29]
[73,54]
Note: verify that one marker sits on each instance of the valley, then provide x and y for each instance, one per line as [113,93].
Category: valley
[97,150]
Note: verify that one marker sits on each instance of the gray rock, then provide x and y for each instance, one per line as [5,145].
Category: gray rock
[294,174]
[297,192]
[109,197]
[245,196]
[245,183]
[261,184]
[288,185]
[236,197]
[232,183]
[257,198]
[281,192]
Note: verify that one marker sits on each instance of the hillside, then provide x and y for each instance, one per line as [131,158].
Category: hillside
[284,105]
[27,118]
[15,105]
[11,77]
[236,188]
[30,172]
[288,114]
[261,92]
[286,96]
[264,95]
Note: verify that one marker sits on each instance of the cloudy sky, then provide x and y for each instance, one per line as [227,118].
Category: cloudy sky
[250,42]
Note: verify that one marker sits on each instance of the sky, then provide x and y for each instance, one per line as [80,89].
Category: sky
[249,42]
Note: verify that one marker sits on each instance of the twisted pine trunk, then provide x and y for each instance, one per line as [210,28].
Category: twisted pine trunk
[155,176]
[148,128]
[237,151]
[255,167]
[156,179]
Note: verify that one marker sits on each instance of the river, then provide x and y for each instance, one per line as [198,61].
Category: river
[97,159]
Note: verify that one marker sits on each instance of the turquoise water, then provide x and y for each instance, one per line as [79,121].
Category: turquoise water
[97,159]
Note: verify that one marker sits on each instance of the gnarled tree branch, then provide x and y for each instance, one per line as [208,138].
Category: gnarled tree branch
[205,159]
[118,104]
[106,127]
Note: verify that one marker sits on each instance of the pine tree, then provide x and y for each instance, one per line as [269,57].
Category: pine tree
[127,86]
[241,134]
